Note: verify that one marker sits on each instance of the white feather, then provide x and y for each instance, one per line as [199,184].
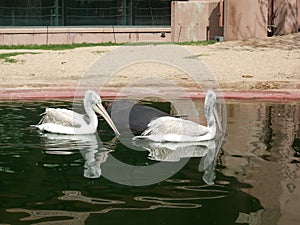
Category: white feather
[64,121]
[171,129]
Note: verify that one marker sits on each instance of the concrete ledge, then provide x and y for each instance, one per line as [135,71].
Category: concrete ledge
[106,29]
[51,93]
[71,35]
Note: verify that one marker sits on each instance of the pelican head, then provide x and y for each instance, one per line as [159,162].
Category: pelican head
[93,99]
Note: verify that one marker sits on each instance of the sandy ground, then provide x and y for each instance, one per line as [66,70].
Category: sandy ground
[255,64]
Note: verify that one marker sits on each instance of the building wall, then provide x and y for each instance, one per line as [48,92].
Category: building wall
[298,14]
[286,16]
[195,20]
[245,19]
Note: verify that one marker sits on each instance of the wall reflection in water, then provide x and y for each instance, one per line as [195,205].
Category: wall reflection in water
[261,149]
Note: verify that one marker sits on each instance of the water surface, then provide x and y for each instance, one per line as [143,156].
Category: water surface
[252,179]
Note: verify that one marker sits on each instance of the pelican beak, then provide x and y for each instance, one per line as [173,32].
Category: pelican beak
[215,112]
[101,110]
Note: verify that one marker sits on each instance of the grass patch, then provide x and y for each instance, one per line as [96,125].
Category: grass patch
[72,46]
[6,57]
[196,56]
[197,42]
[57,47]
[99,52]
[173,43]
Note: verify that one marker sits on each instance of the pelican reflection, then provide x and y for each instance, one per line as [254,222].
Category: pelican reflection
[175,151]
[90,147]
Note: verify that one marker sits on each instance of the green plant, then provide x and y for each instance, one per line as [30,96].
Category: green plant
[72,46]
[6,57]
[56,47]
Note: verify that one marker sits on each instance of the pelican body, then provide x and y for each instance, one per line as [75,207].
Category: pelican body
[64,121]
[171,129]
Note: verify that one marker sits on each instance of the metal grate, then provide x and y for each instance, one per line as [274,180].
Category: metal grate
[84,12]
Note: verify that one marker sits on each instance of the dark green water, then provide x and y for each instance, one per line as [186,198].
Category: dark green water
[43,178]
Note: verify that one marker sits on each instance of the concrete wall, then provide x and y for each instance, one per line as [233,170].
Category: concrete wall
[298,14]
[65,35]
[195,20]
[286,16]
[245,19]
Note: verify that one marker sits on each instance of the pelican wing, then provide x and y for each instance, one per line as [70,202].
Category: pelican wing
[62,117]
[171,125]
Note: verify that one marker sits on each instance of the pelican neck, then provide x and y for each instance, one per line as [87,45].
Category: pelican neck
[87,104]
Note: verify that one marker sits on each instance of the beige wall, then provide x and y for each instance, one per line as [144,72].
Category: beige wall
[285,16]
[195,20]
[245,19]
[298,13]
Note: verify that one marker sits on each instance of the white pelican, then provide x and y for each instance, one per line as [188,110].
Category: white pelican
[171,129]
[64,121]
